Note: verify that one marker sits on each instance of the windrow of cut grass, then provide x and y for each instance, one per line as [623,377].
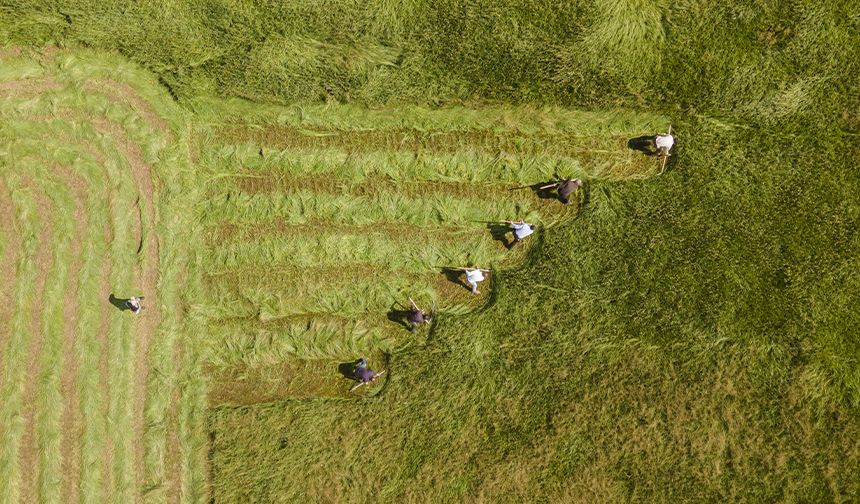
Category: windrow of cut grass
[48,400]
[19,333]
[467,166]
[302,206]
[294,379]
[97,138]
[532,120]
[360,209]
[367,292]
[422,254]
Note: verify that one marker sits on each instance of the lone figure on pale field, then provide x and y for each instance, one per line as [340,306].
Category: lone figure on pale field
[364,374]
[521,230]
[565,188]
[133,304]
[416,316]
[473,276]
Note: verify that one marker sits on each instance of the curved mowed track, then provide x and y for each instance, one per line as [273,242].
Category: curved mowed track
[99,405]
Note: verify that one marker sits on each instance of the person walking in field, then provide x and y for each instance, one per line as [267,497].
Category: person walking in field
[133,304]
[664,143]
[416,316]
[473,276]
[521,230]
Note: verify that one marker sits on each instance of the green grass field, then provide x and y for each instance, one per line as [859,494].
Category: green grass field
[90,410]
[275,177]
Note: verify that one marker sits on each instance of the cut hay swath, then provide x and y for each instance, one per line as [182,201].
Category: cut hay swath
[320,220]
[95,151]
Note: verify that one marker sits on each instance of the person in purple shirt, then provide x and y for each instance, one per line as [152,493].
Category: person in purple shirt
[363,373]
[416,316]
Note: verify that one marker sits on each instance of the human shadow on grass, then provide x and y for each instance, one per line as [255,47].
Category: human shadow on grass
[499,232]
[347,369]
[120,303]
[643,144]
[397,313]
[455,275]
[543,192]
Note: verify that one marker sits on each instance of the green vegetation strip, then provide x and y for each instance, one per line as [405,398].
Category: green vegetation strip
[610,162]
[529,120]
[304,206]
[49,402]
[304,379]
[20,331]
[90,108]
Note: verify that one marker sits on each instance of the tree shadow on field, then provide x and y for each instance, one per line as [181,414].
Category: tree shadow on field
[119,303]
[499,232]
[397,313]
[643,144]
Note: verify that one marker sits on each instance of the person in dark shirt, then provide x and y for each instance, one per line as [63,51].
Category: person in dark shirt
[415,316]
[566,188]
[363,373]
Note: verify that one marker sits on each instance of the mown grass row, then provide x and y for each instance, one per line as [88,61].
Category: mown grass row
[531,120]
[293,379]
[74,103]
[423,254]
[49,402]
[304,206]
[365,291]
[587,149]
[611,162]
[88,347]
[124,260]
[20,332]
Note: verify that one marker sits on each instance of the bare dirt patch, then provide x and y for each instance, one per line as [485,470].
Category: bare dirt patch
[9,52]
[29,87]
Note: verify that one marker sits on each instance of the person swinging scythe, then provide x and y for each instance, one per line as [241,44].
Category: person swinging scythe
[473,276]
[565,188]
[416,316]
[364,374]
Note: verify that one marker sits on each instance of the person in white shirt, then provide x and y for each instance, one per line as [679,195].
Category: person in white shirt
[473,276]
[664,143]
[521,230]
[133,304]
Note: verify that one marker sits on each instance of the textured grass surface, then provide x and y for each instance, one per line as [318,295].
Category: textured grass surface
[687,337]
[314,235]
[82,149]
